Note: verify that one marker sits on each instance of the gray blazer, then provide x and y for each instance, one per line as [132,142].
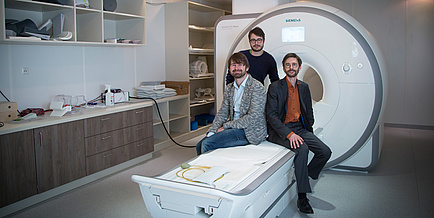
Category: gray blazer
[252,111]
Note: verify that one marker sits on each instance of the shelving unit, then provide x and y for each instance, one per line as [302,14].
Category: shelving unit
[174,112]
[190,36]
[88,25]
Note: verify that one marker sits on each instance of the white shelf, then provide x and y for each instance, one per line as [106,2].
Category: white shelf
[205,8]
[202,78]
[89,26]
[175,113]
[189,35]
[200,104]
[201,51]
[201,29]
[173,117]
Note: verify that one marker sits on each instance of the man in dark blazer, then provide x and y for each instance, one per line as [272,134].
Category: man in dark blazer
[289,123]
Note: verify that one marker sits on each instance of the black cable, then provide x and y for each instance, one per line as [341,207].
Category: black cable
[162,122]
[5,96]
[7,99]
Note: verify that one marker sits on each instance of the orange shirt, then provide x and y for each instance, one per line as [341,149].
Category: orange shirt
[293,112]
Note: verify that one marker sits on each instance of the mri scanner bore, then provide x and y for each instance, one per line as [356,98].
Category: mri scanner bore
[342,65]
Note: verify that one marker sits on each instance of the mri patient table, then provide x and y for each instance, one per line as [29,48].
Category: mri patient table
[259,182]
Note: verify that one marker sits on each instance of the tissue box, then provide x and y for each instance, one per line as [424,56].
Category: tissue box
[8,111]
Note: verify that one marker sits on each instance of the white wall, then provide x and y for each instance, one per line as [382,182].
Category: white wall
[255,6]
[403,30]
[81,70]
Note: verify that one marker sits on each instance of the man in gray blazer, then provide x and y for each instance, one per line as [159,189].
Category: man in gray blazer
[241,118]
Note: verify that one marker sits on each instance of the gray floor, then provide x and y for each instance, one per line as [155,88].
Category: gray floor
[400,186]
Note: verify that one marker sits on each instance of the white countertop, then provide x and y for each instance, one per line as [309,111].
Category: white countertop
[47,120]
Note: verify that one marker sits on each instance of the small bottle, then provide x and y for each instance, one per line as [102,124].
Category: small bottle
[109,97]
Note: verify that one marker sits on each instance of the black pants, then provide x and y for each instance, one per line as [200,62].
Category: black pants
[321,152]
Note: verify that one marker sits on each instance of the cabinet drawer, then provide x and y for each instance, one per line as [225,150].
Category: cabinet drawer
[106,141]
[137,116]
[141,147]
[110,122]
[100,124]
[118,155]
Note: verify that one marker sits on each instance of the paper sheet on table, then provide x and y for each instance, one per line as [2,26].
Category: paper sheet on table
[241,161]
[238,158]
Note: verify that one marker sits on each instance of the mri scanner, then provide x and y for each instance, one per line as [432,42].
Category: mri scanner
[346,73]
[342,64]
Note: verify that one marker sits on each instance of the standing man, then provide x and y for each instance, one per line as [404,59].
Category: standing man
[261,62]
[241,118]
[290,120]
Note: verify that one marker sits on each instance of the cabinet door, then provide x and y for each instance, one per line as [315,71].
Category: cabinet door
[17,167]
[60,156]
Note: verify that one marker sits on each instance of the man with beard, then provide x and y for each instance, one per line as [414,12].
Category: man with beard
[241,118]
[261,62]
[290,120]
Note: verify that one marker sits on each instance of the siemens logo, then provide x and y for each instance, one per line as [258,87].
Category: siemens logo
[293,20]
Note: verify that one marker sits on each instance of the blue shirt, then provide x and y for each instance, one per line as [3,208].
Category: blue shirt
[238,95]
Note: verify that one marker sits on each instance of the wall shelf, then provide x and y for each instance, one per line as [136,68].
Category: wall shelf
[89,26]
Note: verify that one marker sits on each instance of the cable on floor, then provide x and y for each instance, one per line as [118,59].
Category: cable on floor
[162,122]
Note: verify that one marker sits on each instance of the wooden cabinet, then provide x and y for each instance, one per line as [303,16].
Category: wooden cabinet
[49,154]
[60,154]
[17,165]
[190,37]
[91,25]
[115,138]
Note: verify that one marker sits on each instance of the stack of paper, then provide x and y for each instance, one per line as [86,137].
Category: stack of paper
[150,92]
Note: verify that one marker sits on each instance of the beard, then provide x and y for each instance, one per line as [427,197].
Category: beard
[238,73]
[291,73]
[257,48]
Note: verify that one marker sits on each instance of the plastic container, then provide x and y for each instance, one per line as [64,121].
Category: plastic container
[194,125]
[109,96]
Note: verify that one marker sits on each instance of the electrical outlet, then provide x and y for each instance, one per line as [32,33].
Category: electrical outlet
[25,71]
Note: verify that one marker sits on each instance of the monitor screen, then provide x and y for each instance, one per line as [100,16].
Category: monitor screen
[293,34]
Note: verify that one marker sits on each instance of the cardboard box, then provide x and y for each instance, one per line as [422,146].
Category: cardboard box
[181,87]
[8,111]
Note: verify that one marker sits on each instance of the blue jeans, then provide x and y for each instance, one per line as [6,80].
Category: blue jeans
[224,139]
